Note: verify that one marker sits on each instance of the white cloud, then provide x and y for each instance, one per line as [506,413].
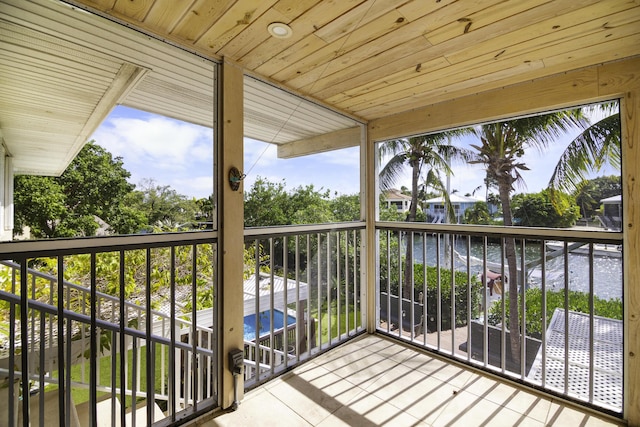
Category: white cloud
[467,178]
[334,170]
[164,142]
[168,151]
[344,157]
[199,187]
[259,154]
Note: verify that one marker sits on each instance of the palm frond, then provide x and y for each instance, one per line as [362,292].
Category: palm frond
[589,152]
[434,181]
[392,171]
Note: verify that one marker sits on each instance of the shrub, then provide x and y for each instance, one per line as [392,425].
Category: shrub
[461,296]
[578,301]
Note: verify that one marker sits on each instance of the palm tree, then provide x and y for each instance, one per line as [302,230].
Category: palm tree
[596,146]
[501,148]
[433,152]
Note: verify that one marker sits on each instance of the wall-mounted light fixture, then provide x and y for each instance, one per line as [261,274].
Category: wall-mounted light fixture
[235,177]
[280,30]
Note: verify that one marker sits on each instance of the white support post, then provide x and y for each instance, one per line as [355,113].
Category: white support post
[7,200]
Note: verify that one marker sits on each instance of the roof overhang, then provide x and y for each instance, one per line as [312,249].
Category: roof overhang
[64,70]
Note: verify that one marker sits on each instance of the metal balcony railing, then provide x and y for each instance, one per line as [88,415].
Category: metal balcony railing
[458,290]
[110,331]
[123,329]
[303,294]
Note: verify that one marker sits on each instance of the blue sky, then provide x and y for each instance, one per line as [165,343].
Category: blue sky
[180,155]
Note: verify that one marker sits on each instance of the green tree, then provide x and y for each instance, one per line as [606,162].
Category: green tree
[432,152]
[39,204]
[129,217]
[478,214]
[165,207]
[501,148]
[265,203]
[590,193]
[309,206]
[345,207]
[206,208]
[538,210]
[94,184]
[596,146]
[268,203]
[95,181]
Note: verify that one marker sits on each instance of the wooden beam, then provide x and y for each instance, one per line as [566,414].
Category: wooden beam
[369,155]
[559,91]
[343,138]
[618,78]
[231,226]
[630,117]
[555,65]
[489,106]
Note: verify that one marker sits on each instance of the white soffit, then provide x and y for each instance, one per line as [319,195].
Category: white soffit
[63,70]
[49,92]
[279,117]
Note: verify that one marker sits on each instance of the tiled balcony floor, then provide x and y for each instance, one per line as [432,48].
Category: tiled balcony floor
[373,381]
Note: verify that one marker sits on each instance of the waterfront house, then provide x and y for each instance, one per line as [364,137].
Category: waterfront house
[612,212]
[436,211]
[396,198]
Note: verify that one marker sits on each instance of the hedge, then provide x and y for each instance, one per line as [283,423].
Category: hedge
[461,296]
[578,301]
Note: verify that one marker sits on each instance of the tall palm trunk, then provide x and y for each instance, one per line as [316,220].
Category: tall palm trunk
[512,263]
[407,283]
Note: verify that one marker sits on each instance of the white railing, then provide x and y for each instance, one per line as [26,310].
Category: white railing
[569,289]
[130,336]
[261,358]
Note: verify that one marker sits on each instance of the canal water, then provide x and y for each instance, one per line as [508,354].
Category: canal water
[607,265]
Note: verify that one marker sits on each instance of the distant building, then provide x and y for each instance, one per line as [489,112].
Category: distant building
[612,212]
[394,197]
[436,212]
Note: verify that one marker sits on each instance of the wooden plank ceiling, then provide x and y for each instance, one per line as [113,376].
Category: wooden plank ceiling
[375,58]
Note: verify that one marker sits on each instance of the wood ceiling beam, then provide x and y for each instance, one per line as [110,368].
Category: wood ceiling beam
[330,141]
[125,80]
[559,91]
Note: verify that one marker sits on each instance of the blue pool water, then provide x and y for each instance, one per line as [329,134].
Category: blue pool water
[265,323]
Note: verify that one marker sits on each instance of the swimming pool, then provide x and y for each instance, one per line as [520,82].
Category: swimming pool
[265,323]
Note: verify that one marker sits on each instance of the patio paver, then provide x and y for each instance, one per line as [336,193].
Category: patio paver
[374,381]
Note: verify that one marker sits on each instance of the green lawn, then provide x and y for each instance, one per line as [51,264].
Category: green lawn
[81,394]
[324,322]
